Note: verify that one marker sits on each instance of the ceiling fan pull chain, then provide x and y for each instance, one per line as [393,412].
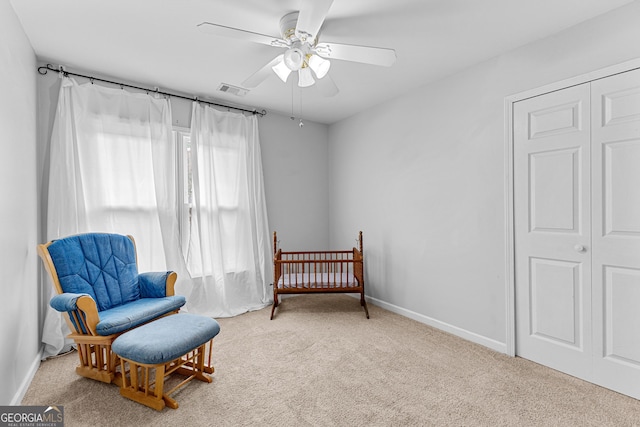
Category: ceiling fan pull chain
[292,115]
[301,123]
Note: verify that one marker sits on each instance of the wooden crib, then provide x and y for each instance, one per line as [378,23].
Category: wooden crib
[318,272]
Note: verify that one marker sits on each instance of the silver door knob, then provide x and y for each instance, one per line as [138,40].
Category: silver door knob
[579,248]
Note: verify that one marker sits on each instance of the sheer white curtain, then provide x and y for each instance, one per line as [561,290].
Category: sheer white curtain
[113,169]
[229,254]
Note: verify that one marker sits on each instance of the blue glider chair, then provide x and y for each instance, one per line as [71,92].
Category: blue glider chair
[103,295]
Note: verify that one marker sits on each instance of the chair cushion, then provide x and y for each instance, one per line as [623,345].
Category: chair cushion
[99,264]
[133,314]
[166,339]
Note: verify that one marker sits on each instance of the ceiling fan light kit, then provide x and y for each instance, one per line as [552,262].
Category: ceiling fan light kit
[319,65]
[294,58]
[299,31]
[305,79]
[282,70]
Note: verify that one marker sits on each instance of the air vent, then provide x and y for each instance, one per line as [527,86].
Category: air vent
[233,90]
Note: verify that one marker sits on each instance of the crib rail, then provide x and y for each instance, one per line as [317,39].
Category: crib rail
[319,270]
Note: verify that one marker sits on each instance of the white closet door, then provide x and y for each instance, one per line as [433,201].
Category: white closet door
[616,231]
[552,230]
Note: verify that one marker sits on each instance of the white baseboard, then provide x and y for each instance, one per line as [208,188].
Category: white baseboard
[22,390]
[454,330]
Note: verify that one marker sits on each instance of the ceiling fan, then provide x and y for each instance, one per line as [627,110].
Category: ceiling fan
[303,53]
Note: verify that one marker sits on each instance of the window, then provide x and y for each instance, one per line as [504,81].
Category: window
[220,213]
[185,199]
[119,187]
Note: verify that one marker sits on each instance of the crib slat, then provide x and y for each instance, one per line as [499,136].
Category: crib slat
[321,270]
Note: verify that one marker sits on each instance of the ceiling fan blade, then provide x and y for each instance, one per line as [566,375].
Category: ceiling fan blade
[259,76]
[311,17]
[224,31]
[327,87]
[364,54]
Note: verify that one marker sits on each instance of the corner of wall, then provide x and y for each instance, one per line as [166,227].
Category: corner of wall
[18,190]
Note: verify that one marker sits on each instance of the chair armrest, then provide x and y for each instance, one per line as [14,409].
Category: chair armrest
[157,284]
[65,302]
[69,303]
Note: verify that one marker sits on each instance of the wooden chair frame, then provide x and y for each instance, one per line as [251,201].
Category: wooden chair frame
[97,361]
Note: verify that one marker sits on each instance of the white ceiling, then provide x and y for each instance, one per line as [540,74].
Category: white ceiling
[156,43]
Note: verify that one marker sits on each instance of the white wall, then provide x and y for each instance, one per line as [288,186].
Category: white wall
[297,179]
[19,320]
[424,176]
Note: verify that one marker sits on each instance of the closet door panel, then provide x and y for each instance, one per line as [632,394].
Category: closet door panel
[552,230]
[616,231]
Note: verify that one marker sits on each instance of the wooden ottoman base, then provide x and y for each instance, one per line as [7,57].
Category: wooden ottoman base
[144,383]
[152,352]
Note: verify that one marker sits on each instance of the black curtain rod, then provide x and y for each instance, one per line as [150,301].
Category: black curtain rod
[43,70]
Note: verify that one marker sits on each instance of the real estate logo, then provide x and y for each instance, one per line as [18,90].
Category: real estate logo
[31,416]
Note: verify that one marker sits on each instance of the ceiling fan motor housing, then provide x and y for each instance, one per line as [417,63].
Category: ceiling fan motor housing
[288,26]
[299,51]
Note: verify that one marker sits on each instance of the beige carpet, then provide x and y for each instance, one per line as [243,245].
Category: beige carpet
[320,362]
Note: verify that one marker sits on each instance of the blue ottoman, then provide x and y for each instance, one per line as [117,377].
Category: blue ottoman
[175,343]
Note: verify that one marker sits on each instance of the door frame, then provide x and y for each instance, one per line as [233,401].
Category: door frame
[510,280]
